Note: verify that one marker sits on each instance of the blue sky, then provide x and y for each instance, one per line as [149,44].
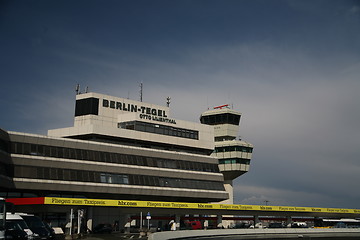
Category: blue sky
[291,67]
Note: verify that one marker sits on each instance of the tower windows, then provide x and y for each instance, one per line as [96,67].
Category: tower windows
[224,118]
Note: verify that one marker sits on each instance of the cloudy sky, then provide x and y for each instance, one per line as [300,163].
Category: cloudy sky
[291,67]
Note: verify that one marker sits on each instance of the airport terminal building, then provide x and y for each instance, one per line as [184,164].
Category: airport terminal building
[117,149]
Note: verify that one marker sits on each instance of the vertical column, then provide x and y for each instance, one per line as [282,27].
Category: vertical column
[123,219]
[127,223]
[177,221]
[228,185]
[219,221]
[89,216]
[256,221]
[288,220]
[69,223]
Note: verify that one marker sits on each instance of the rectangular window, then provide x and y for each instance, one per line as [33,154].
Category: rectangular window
[28,172]
[124,159]
[46,173]
[96,176]
[60,174]
[92,177]
[86,176]
[113,158]
[60,152]
[40,173]
[103,178]
[107,157]
[140,127]
[26,148]
[72,153]
[109,178]
[84,154]
[14,147]
[91,155]
[66,153]
[102,157]
[18,171]
[96,156]
[150,181]
[156,181]
[87,106]
[53,152]
[152,162]
[53,173]
[73,175]
[67,175]
[125,179]
[141,180]
[33,150]
[78,154]
[79,176]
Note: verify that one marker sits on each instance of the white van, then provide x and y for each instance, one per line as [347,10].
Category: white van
[17,219]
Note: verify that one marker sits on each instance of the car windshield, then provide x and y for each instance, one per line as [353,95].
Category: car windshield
[21,223]
[13,225]
[33,221]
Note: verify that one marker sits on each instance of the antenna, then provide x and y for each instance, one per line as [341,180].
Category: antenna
[168,101]
[77,89]
[141,91]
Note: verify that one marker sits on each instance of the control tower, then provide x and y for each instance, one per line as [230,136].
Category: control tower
[234,155]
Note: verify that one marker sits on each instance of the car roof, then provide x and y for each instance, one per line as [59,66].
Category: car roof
[13,216]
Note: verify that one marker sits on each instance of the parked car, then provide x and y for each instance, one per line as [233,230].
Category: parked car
[14,231]
[102,228]
[51,230]
[195,225]
[242,225]
[276,225]
[14,223]
[298,225]
[37,226]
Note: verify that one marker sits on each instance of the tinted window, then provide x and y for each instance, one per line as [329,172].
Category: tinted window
[87,106]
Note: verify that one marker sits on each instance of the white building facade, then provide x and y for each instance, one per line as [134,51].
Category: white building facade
[117,149]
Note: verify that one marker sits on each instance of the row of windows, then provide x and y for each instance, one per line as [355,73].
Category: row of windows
[112,178]
[225,118]
[17,195]
[234,160]
[81,154]
[233,149]
[159,129]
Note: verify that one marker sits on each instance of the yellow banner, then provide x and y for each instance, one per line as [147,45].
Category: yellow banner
[150,204]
